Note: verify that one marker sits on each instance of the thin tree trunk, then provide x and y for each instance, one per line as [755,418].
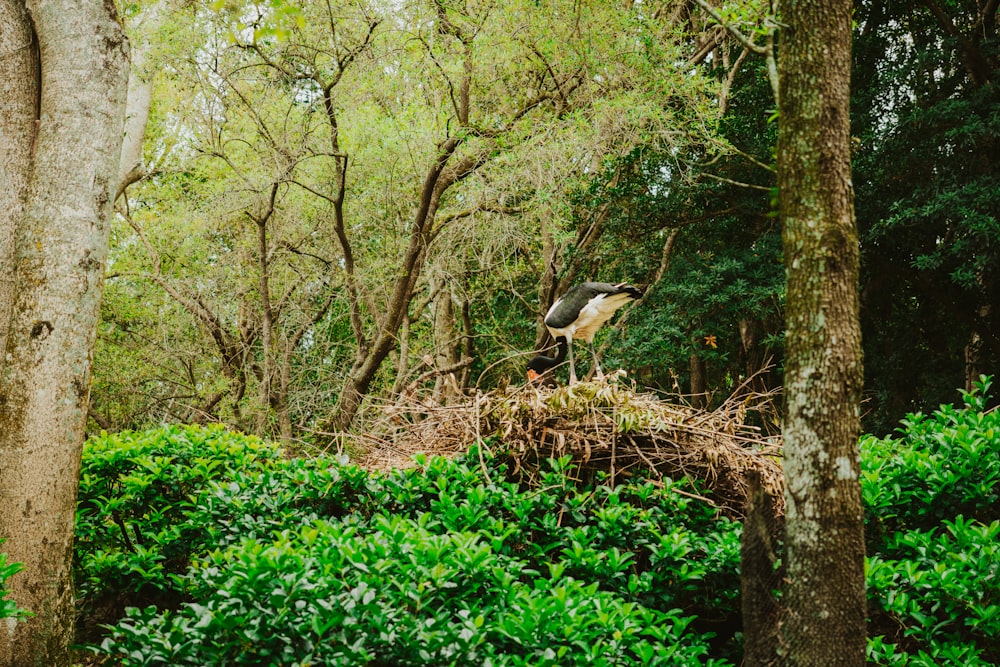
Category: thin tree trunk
[19,90]
[446,341]
[825,622]
[699,382]
[266,330]
[468,342]
[61,245]
[140,99]
[370,360]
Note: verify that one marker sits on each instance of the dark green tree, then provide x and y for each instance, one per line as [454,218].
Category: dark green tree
[926,126]
[698,227]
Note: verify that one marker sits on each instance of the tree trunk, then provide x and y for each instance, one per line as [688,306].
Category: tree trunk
[446,342]
[19,82]
[468,341]
[140,99]
[759,576]
[369,359]
[61,241]
[973,349]
[699,382]
[825,623]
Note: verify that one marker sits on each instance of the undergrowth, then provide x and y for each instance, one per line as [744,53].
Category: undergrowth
[258,559]
[932,499]
[227,552]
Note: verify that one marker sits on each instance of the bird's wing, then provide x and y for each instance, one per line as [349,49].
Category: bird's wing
[583,310]
[567,307]
[598,311]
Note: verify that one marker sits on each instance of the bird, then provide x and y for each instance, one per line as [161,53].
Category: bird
[580,313]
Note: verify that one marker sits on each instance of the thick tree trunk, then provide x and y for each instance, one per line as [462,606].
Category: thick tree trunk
[760,576]
[61,244]
[825,623]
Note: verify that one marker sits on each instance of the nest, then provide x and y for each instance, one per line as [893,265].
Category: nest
[604,428]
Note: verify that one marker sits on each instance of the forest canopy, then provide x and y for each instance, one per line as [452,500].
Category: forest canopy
[343,208]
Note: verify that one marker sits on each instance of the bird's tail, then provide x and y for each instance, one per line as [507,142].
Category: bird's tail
[631,290]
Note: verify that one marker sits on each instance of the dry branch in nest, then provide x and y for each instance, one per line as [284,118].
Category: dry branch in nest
[606,428]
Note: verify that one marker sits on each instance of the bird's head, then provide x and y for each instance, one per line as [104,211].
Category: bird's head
[537,367]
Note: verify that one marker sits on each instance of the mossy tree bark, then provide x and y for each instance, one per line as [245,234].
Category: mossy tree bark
[63,176]
[825,600]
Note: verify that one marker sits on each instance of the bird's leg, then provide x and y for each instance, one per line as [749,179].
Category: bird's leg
[597,364]
[572,369]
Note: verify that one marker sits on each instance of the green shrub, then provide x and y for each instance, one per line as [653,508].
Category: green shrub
[8,608]
[288,493]
[945,465]
[155,505]
[397,594]
[942,589]
[133,535]
[932,500]
[639,540]
[887,654]
[237,555]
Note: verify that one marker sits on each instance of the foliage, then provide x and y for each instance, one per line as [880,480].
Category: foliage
[8,608]
[721,302]
[136,491]
[946,465]
[697,226]
[287,150]
[397,594]
[188,521]
[926,122]
[626,138]
[941,589]
[933,524]
[251,557]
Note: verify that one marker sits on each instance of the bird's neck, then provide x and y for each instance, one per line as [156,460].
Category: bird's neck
[561,347]
[541,363]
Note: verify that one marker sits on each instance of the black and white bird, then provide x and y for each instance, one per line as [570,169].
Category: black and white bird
[580,313]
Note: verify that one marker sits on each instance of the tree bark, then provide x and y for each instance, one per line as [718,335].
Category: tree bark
[19,81]
[139,100]
[446,341]
[61,241]
[825,623]
[759,576]
[699,382]
[369,360]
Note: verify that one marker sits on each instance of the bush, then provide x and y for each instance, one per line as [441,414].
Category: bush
[169,518]
[639,540]
[397,594]
[933,522]
[944,588]
[274,561]
[8,608]
[945,465]
[134,536]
